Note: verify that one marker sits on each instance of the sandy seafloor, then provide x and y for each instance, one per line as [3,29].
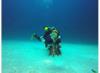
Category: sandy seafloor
[32,57]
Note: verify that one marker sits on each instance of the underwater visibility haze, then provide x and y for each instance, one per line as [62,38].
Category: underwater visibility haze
[77,21]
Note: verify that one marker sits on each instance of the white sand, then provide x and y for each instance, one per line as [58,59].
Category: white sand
[32,57]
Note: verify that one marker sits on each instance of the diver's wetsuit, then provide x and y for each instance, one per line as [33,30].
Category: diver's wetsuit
[48,41]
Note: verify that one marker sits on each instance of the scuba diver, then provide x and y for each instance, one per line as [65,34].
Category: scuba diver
[51,39]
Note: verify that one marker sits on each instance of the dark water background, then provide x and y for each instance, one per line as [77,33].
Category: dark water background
[77,20]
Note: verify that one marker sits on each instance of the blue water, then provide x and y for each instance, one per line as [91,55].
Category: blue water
[77,21]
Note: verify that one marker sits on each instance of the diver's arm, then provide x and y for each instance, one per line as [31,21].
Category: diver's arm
[59,39]
[41,39]
[36,37]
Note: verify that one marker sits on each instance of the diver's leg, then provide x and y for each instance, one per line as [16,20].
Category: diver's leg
[58,52]
[50,50]
[53,51]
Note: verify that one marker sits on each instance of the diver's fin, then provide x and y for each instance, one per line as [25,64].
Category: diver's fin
[93,71]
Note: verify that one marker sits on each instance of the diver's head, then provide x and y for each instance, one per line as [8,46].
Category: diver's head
[46,28]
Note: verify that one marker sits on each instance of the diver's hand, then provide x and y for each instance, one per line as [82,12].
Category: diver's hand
[33,36]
